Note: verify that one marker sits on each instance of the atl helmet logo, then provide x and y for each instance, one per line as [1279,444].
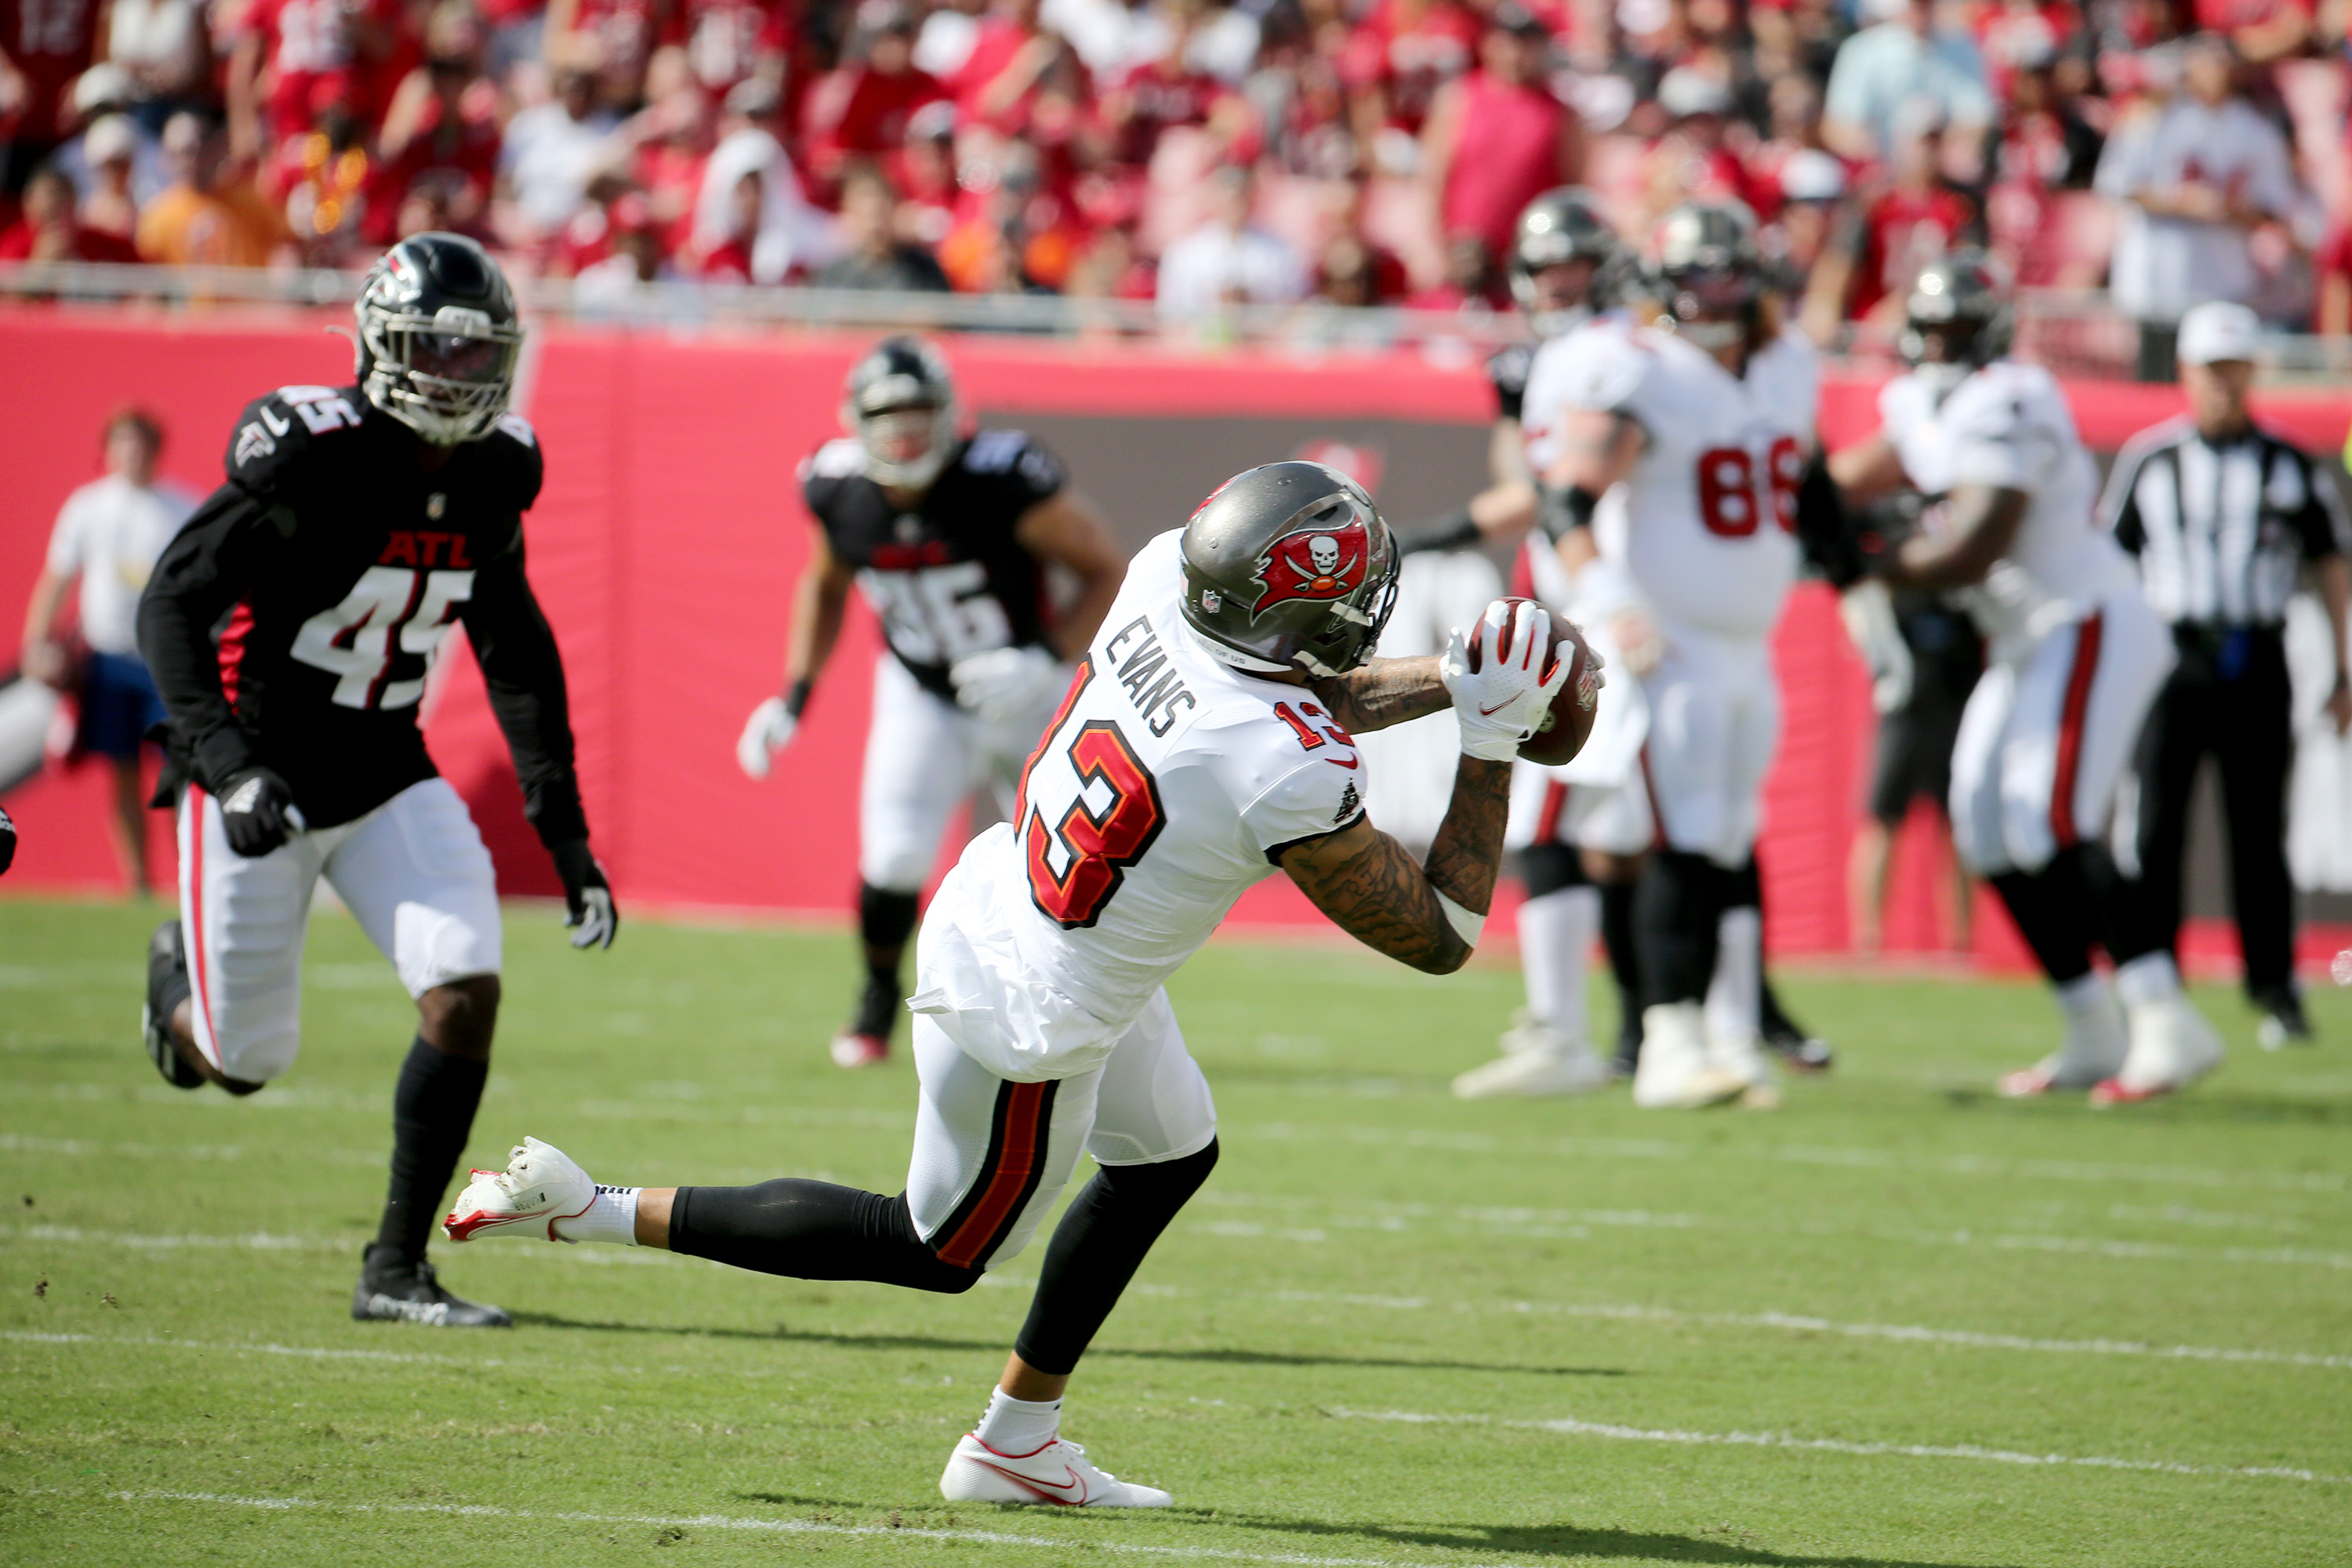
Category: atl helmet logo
[1314,563]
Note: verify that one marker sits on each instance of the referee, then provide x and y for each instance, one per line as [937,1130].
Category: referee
[2222,515]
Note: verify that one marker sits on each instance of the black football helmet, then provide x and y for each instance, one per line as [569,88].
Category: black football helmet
[1707,271]
[1289,567]
[1558,228]
[1959,316]
[900,404]
[439,338]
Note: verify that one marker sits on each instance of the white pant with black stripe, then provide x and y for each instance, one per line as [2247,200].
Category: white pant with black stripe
[924,758]
[412,870]
[2048,733]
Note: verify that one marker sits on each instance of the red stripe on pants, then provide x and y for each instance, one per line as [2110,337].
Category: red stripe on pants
[2070,730]
[1025,1145]
[1548,821]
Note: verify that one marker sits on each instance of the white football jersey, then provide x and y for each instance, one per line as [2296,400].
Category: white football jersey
[2007,425]
[1550,376]
[1705,523]
[1153,802]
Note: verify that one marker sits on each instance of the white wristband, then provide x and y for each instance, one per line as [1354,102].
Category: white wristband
[1465,925]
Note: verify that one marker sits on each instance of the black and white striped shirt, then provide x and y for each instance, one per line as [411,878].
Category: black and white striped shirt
[2221,531]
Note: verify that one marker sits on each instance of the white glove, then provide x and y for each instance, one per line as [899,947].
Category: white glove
[769,730]
[1007,684]
[1501,702]
[1869,616]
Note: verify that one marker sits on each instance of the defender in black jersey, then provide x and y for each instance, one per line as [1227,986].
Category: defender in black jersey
[949,537]
[290,625]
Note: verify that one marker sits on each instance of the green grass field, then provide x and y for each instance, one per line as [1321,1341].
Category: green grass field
[1898,1323]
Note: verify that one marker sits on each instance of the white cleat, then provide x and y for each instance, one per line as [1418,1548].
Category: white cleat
[2094,1048]
[1674,1073]
[1059,1473]
[1742,1056]
[539,1185]
[2172,1047]
[1537,1060]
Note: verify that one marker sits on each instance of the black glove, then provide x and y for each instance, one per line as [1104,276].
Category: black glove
[255,807]
[8,841]
[595,918]
[1561,510]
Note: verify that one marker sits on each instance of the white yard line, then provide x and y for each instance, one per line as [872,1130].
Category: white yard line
[1568,1426]
[896,1534]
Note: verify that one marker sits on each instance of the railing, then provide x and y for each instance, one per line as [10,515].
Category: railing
[2075,332]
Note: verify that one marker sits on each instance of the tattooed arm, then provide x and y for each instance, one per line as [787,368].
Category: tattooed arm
[1384,692]
[1370,887]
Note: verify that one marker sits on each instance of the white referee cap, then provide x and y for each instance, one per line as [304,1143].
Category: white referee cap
[2219,330]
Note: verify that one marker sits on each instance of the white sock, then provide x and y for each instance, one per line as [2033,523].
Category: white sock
[1556,936]
[612,1217]
[2087,995]
[1016,1428]
[1735,996]
[2150,977]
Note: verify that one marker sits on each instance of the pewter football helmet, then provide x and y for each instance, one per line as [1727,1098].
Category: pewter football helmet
[1289,566]
[1555,229]
[1959,316]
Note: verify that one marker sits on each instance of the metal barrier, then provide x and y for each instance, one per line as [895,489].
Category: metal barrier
[2076,332]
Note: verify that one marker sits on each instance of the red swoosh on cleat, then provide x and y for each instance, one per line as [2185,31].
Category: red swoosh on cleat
[1046,1490]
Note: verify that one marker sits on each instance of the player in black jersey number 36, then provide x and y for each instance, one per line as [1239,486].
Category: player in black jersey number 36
[950,537]
[289,627]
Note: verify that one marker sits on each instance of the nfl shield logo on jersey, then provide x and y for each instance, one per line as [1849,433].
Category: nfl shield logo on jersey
[1313,563]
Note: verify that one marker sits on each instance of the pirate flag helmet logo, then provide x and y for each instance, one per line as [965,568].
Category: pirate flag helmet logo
[1314,563]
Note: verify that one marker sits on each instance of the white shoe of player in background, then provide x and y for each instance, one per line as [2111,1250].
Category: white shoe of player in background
[2094,1050]
[2172,1046]
[1741,1056]
[1536,1059]
[1674,1073]
[539,1185]
[1059,1473]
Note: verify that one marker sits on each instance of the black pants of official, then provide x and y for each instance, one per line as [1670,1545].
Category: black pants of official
[2228,697]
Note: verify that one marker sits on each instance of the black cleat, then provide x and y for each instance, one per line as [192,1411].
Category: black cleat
[167,987]
[395,1289]
[2283,1022]
[1629,1051]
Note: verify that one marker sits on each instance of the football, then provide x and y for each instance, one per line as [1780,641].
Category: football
[1570,721]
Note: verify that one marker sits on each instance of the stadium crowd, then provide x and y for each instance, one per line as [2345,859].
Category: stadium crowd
[1359,151]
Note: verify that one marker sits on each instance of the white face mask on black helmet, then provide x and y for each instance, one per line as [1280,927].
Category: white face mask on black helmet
[900,404]
[439,338]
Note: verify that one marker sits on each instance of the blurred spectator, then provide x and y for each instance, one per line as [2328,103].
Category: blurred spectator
[211,215]
[1398,57]
[1909,217]
[947,37]
[292,55]
[44,46]
[751,182]
[162,49]
[1812,186]
[2333,264]
[1009,55]
[2045,141]
[111,204]
[1023,237]
[2195,185]
[2016,35]
[45,228]
[106,538]
[1497,138]
[443,124]
[1693,160]
[1227,260]
[925,174]
[553,151]
[2260,30]
[636,257]
[1794,126]
[1352,272]
[673,137]
[875,258]
[1147,100]
[319,180]
[1908,55]
[728,41]
[432,204]
[614,39]
[862,109]
[102,96]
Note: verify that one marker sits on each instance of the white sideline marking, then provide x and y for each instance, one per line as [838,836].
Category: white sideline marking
[1568,1426]
[1804,1154]
[265,1241]
[314,1354]
[772,1526]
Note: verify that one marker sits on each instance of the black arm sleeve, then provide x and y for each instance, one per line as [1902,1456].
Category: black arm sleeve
[1824,532]
[1561,510]
[204,572]
[524,672]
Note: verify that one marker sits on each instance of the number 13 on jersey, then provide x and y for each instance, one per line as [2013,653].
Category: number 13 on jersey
[1077,853]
